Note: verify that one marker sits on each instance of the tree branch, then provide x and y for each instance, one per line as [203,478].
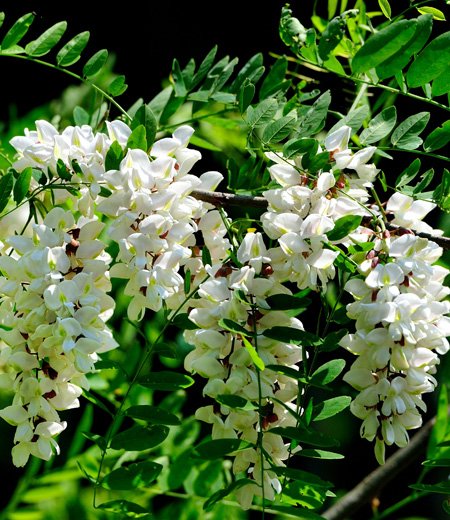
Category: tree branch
[230,199]
[371,485]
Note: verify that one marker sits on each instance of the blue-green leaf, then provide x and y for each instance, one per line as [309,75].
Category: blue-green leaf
[405,136]
[379,126]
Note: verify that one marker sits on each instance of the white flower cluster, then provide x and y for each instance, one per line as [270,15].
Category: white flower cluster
[400,330]
[239,293]
[306,207]
[52,314]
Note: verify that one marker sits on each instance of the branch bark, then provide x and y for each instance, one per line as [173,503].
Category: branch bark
[371,485]
[230,199]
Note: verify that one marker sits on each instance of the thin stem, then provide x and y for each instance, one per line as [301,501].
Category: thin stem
[399,505]
[7,159]
[193,119]
[79,78]
[149,349]
[418,152]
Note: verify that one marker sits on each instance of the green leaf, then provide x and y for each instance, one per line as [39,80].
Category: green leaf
[431,62]
[39,176]
[385,8]
[405,136]
[97,439]
[441,194]
[125,508]
[382,45]
[6,187]
[183,322]
[234,327]
[303,435]
[235,402]
[71,51]
[204,67]
[296,147]
[263,113]
[437,14]
[203,143]
[250,72]
[94,399]
[331,37]
[343,227]
[114,156]
[117,86]
[2,18]
[295,374]
[216,449]
[379,127]
[314,119]
[426,177]
[137,139]
[275,76]
[331,407]
[292,335]
[279,129]
[354,119]
[314,163]
[286,302]
[437,463]
[257,361]
[95,63]
[80,116]
[133,476]
[331,342]
[21,186]
[17,31]
[152,414]
[441,487]
[165,380]
[319,454]
[138,438]
[328,372]
[408,174]
[46,40]
[178,80]
[206,256]
[398,61]
[222,493]
[246,95]
[438,138]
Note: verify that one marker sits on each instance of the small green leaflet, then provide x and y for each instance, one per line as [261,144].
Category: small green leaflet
[405,136]
[319,454]
[295,374]
[165,380]
[17,31]
[133,476]
[328,372]
[408,174]
[292,335]
[178,80]
[46,40]
[382,45]
[441,487]
[279,129]
[437,14]
[222,493]
[431,62]
[331,37]
[275,76]
[379,126]
[263,113]
[354,119]
[80,116]
[236,402]
[330,407]
[441,194]
[232,326]
[385,8]
[314,119]
[343,227]
[138,438]
[218,448]
[125,508]
[299,147]
[117,86]
[152,414]
[257,361]
[438,137]
[437,463]
[95,63]
[6,187]
[21,186]
[114,157]
[304,435]
[137,139]
[246,95]
[70,53]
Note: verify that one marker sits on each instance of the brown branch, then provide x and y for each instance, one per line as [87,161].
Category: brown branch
[371,485]
[230,199]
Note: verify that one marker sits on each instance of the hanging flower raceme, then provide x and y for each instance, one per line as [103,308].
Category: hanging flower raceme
[53,312]
[232,361]
[305,208]
[401,328]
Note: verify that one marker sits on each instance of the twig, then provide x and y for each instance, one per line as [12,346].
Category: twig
[370,486]
[230,199]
